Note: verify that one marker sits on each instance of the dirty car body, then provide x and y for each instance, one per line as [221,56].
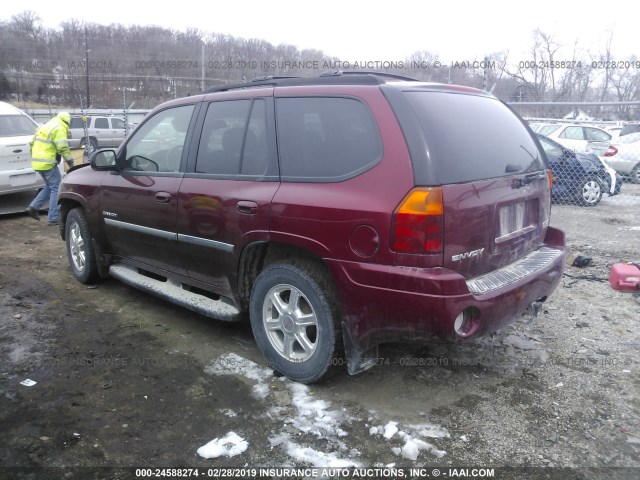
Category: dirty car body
[337,213]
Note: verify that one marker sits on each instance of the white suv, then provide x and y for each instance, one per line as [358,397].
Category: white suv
[102,132]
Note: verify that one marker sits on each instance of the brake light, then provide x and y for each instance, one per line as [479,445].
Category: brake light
[418,222]
[550,178]
[611,151]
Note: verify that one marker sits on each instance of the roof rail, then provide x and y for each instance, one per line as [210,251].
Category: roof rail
[337,77]
[378,74]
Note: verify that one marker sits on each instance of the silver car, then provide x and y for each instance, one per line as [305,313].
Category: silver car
[102,131]
[624,156]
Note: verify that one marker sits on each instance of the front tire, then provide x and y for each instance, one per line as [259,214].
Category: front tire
[589,191]
[79,247]
[294,318]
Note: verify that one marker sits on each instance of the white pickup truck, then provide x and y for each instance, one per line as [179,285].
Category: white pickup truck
[102,132]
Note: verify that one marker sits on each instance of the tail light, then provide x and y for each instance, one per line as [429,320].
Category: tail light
[417,222]
[550,178]
[611,151]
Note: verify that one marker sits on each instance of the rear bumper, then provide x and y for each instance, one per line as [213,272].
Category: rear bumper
[12,181]
[387,303]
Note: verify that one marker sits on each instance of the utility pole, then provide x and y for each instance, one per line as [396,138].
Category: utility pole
[86,44]
[202,62]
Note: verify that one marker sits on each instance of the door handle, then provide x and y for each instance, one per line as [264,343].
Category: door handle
[247,207]
[163,197]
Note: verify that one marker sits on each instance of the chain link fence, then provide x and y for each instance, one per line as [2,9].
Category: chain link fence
[594,157]
[593,148]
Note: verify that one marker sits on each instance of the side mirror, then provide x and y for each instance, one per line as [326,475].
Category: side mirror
[104,160]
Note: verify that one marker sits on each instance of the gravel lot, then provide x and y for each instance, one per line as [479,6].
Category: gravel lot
[126,380]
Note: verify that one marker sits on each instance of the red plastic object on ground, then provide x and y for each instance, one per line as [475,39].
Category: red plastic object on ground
[625,276]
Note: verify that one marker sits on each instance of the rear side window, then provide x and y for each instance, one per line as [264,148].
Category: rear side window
[101,123]
[595,135]
[325,139]
[473,137]
[117,123]
[76,122]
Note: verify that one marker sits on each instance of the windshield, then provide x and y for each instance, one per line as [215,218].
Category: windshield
[16,126]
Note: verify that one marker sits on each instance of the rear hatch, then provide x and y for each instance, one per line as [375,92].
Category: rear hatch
[491,172]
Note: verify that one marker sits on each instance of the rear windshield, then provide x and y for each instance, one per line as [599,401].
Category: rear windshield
[547,129]
[630,138]
[473,137]
[16,125]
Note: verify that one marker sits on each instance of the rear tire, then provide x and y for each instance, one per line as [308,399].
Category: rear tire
[294,318]
[635,174]
[91,147]
[589,191]
[80,248]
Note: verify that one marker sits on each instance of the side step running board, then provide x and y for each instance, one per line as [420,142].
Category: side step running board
[175,293]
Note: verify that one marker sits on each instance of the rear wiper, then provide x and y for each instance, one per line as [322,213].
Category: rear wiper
[521,182]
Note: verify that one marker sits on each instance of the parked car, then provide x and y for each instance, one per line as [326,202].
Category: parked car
[584,139]
[102,131]
[624,156]
[16,133]
[578,177]
[580,138]
[336,213]
[630,128]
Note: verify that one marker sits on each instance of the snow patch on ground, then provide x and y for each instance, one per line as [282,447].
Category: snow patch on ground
[309,455]
[314,415]
[233,364]
[315,421]
[228,446]
[412,436]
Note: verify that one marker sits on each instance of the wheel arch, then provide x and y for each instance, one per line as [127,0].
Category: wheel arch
[255,257]
[99,242]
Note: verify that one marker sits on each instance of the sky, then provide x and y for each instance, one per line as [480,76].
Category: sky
[374,31]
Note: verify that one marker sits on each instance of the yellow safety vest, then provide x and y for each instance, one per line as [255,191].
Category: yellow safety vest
[50,140]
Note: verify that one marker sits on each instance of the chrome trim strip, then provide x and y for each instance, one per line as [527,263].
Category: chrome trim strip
[140,229]
[515,234]
[524,267]
[203,242]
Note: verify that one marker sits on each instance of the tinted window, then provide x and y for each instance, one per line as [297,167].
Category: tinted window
[117,123]
[157,145]
[16,125]
[101,123]
[631,128]
[325,139]
[472,137]
[234,139]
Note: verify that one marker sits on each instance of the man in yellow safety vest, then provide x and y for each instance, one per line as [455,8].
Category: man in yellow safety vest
[49,146]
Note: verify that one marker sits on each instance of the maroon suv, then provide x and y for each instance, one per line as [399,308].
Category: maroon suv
[337,213]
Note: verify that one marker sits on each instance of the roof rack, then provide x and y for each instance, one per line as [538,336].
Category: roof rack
[378,74]
[337,77]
